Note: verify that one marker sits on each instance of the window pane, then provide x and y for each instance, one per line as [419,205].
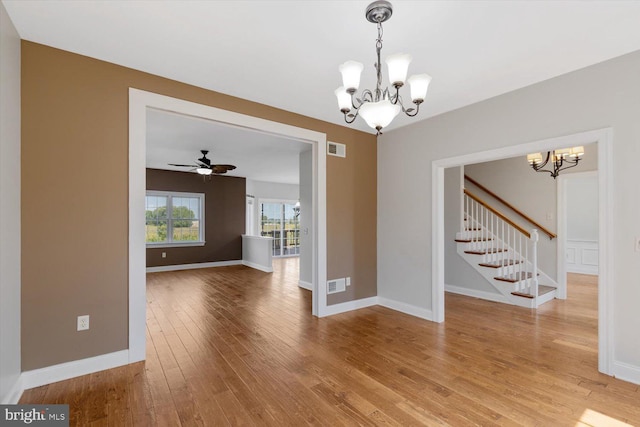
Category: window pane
[156,231]
[155,218]
[186,226]
[186,234]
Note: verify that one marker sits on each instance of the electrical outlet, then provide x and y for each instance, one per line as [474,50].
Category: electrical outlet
[637,244]
[348,280]
[164,254]
[83,322]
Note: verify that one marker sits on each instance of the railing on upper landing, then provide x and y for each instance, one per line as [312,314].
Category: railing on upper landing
[505,244]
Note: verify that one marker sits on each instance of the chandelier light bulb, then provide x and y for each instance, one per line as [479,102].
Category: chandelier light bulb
[576,152]
[398,65]
[351,71]
[534,158]
[419,84]
[379,114]
[344,99]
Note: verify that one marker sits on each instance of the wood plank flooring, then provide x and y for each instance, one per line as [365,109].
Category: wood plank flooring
[236,346]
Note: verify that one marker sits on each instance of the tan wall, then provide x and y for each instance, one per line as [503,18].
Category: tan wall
[74,199]
[224,200]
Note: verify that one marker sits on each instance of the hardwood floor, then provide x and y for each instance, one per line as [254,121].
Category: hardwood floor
[235,346]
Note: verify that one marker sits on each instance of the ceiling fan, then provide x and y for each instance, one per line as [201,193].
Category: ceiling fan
[204,166]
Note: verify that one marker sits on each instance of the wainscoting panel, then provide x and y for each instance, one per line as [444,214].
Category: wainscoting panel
[582,256]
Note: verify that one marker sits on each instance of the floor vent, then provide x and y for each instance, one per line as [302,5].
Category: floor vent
[335,149]
[334,286]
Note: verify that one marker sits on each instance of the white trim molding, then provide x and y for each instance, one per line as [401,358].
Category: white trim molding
[65,371]
[305,285]
[489,296]
[14,394]
[357,304]
[194,266]
[405,308]
[626,372]
[604,139]
[258,266]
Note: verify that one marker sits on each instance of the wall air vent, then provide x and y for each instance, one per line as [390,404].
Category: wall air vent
[334,286]
[336,149]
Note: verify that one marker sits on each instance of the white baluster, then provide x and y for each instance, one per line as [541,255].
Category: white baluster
[534,261]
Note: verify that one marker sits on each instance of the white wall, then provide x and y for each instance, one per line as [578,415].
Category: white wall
[582,207]
[306,220]
[9,209]
[603,95]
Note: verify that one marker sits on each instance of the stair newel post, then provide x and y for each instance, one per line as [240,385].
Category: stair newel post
[534,262]
[463,205]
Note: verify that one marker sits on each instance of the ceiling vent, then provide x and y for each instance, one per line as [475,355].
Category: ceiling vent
[335,149]
[334,286]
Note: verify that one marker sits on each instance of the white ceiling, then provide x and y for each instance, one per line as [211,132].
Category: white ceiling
[174,138]
[286,54]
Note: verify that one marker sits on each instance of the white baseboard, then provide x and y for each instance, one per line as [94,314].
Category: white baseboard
[260,267]
[305,285]
[582,269]
[343,307]
[626,372]
[192,266]
[65,371]
[14,394]
[489,296]
[405,308]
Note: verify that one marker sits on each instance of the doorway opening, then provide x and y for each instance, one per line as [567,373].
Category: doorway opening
[604,140]
[139,103]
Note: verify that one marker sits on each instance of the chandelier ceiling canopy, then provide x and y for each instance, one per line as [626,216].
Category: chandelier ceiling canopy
[380,106]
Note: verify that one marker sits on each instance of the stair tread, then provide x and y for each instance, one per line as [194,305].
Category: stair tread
[542,289]
[484,251]
[515,277]
[498,264]
[475,239]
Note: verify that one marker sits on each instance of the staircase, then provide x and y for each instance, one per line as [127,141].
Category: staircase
[504,253]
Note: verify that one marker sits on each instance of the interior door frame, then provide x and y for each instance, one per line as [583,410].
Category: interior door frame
[604,139]
[139,102]
[562,227]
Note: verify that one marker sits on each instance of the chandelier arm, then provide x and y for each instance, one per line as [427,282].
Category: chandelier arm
[538,167]
[414,113]
[367,96]
[353,118]
[573,165]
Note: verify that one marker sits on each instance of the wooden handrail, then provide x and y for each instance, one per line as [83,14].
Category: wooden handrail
[551,234]
[497,213]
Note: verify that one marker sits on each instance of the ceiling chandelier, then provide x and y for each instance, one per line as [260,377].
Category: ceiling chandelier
[561,159]
[380,106]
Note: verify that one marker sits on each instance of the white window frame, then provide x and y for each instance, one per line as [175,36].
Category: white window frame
[170,195]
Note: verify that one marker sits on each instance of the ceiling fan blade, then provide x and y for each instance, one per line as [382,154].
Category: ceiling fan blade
[183,166]
[227,167]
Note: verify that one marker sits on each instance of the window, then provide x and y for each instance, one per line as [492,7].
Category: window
[174,219]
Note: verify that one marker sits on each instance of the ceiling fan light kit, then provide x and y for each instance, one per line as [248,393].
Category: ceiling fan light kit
[379,107]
